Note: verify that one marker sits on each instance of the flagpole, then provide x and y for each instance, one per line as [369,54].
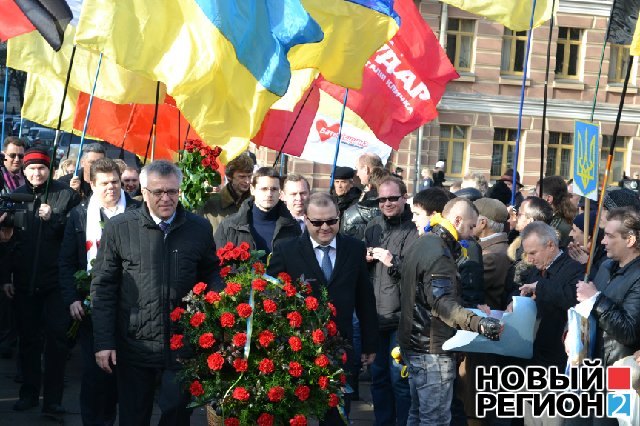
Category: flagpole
[335,158]
[4,99]
[126,131]
[86,118]
[152,135]
[186,137]
[607,170]
[514,185]
[294,123]
[545,101]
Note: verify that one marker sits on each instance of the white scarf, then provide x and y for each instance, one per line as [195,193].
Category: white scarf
[94,225]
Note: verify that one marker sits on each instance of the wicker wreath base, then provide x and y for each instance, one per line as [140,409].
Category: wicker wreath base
[212,418]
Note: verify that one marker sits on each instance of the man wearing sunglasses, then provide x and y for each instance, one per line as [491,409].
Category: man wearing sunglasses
[387,238]
[13,151]
[336,262]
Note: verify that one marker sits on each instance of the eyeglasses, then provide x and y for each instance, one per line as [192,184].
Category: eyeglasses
[319,223]
[159,192]
[392,199]
[13,155]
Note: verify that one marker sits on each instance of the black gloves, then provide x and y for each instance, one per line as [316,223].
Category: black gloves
[490,328]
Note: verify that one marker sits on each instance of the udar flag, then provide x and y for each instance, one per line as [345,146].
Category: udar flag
[513,14]
[403,81]
[311,131]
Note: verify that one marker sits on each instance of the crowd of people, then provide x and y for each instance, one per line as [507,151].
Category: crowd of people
[401,271]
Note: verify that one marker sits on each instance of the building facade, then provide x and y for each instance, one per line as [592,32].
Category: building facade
[478,116]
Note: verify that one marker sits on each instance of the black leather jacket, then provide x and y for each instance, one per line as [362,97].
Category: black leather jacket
[617,310]
[356,217]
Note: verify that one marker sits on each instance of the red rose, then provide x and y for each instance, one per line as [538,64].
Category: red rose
[236,252]
[176,313]
[333,400]
[323,382]
[176,342]
[322,361]
[206,340]
[244,256]
[259,284]
[224,271]
[295,319]
[212,297]
[311,303]
[275,394]
[244,246]
[265,338]
[266,366]
[228,246]
[295,369]
[232,288]
[231,421]
[269,306]
[205,161]
[284,277]
[199,288]
[298,420]
[227,319]
[295,343]
[289,290]
[343,379]
[332,308]
[344,357]
[302,392]
[215,361]
[244,310]
[196,388]
[241,394]
[240,364]
[89,245]
[239,339]
[258,268]
[265,420]
[317,336]
[307,288]
[332,328]
[197,319]
[217,151]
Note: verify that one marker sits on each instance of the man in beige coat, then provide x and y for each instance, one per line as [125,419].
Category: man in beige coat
[494,243]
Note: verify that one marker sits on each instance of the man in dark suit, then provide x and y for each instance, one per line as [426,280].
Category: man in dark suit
[336,262]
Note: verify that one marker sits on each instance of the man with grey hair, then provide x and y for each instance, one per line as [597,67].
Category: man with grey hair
[81,183]
[149,259]
[553,284]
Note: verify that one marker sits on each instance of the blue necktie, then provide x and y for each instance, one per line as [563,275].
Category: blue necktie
[326,266]
[164,226]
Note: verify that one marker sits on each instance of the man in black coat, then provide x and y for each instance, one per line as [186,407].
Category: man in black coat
[149,259]
[617,307]
[36,289]
[98,395]
[554,284]
[335,262]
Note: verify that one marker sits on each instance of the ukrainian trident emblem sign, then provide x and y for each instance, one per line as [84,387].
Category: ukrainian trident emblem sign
[585,159]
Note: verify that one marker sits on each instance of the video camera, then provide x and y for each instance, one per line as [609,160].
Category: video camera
[16,209]
[632,184]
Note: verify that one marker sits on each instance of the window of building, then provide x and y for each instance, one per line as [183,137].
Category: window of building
[513,52]
[560,155]
[618,62]
[460,33]
[504,145]
[619,158]
[453,145]
[568,52]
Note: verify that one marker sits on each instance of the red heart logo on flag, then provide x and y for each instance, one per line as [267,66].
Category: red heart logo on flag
[325,131]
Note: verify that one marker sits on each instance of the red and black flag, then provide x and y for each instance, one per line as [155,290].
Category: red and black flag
[49,17]
[622,24]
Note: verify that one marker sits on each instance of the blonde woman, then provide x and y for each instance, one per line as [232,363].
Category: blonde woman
[66,167]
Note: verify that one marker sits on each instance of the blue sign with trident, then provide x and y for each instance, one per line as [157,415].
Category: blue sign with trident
[585,159]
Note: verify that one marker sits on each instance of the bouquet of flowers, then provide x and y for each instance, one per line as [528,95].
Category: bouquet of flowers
[199,164]
[263,351]
[83,284]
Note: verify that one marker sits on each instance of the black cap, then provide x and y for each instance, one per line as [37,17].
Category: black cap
[344,173]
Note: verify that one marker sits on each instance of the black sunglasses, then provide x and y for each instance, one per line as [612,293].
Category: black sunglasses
[393,199]
[319,223]
[13,155]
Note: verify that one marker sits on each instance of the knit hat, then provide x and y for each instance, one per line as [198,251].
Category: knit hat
[36,156]
[616,198]
[343,173]
[492,209]
[579,221]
